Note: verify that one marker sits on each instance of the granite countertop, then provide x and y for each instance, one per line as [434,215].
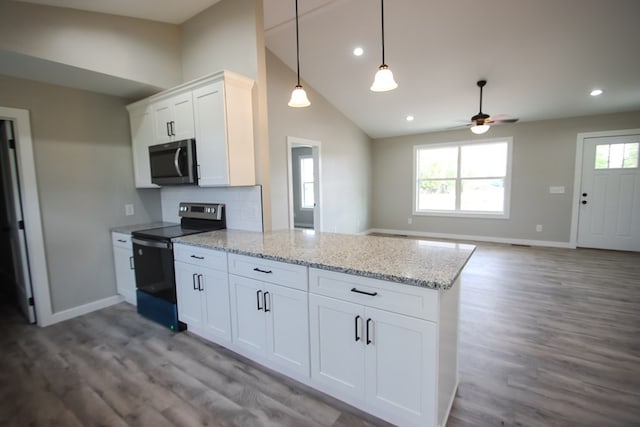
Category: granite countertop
[424,263]
[128,229]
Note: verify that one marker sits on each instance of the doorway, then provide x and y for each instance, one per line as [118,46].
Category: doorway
[15,271]
[305,205]
[20,190]
[608,196]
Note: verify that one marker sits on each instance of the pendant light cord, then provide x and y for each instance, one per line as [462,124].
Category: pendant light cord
[382,18]
[298,44]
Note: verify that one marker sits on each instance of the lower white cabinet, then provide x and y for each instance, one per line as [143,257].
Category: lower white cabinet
[381,361]
[270,323]
[203,293]
[124,268]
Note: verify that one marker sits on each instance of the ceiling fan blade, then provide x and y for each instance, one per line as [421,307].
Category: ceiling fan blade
[503,121]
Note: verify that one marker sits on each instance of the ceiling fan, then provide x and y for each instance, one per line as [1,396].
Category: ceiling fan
[481,122]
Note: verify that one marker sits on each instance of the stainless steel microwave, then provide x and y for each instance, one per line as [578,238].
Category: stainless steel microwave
[174,163]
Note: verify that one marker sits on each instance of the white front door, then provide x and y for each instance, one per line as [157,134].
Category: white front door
[17,237]
[609,216]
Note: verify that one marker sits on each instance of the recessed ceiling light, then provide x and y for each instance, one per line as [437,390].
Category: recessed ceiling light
[358,51]
[596,92]
[410,118]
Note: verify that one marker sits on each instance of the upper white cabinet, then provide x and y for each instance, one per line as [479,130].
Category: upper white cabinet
[217,111]
[173,118]
[142,136]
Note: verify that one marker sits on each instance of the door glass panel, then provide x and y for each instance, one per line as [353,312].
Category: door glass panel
[616,156]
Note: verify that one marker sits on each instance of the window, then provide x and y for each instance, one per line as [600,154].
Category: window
[617,156]
[307,199]
[463,178]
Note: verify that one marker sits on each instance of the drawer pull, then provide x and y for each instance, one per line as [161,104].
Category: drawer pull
[371,294]
[262,271]
[197,257]
[122,241]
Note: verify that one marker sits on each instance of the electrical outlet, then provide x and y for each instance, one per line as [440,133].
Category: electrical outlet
[128,210]
[409,220]
[539,228]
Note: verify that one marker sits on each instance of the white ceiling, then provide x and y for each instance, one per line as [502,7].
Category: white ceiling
[541,57]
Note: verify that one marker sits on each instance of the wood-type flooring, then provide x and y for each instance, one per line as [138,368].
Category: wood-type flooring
[548,337]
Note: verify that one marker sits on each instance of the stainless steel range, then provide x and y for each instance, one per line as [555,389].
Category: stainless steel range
[153,258]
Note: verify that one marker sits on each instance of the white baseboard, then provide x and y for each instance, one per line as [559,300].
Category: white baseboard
[490,239]
[70,313]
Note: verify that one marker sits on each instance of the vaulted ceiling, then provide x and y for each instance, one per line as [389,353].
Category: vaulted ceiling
[541,57]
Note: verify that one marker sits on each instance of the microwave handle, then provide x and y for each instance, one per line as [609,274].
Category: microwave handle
[176,161]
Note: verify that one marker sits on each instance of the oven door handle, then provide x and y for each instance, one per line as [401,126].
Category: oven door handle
[152,243]
[176,161]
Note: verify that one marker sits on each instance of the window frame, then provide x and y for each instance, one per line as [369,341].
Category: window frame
[457,213]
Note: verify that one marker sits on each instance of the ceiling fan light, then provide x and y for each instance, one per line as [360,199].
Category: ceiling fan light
[383,80]
[299,98]
[479,129]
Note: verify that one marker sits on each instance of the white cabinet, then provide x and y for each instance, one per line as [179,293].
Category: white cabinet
[382,361]
[202,292]
[124,268]
[269,318]
[173,118]
[216,110]
[142,136]
[224,132]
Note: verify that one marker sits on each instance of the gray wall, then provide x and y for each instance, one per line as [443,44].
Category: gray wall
[84,169]
[128,48]
[543,155]
[345,154]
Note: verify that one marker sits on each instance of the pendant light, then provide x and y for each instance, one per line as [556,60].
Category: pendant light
[298,96]
[383,80]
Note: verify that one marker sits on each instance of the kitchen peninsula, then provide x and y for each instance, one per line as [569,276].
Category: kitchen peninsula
[370,320]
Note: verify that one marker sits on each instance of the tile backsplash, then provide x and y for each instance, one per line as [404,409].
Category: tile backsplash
[243,204]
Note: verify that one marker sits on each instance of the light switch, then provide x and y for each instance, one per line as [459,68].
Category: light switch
[556,189]
[128,210]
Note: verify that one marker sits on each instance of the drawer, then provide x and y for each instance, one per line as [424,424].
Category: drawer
[209,258]
[395,297]
[281,273]
[121,239]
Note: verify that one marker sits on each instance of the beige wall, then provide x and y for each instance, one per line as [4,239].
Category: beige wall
[133,49]
[543,155]
[221,37]
[345,154]
[84,171]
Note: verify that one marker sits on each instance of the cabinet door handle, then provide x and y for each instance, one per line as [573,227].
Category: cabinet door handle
[168,128]
[371,294]
[264,298]
[200,287]
[262,271]
[197,257]
[122,241]
[368,338]
[193,277]
[173,130]
[356,322]
[131,265]
[258,292]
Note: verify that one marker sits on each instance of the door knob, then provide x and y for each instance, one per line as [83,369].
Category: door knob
[584,194]
[584,202]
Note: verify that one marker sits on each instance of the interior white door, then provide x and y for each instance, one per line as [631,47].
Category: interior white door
[609,216]
[18,240]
